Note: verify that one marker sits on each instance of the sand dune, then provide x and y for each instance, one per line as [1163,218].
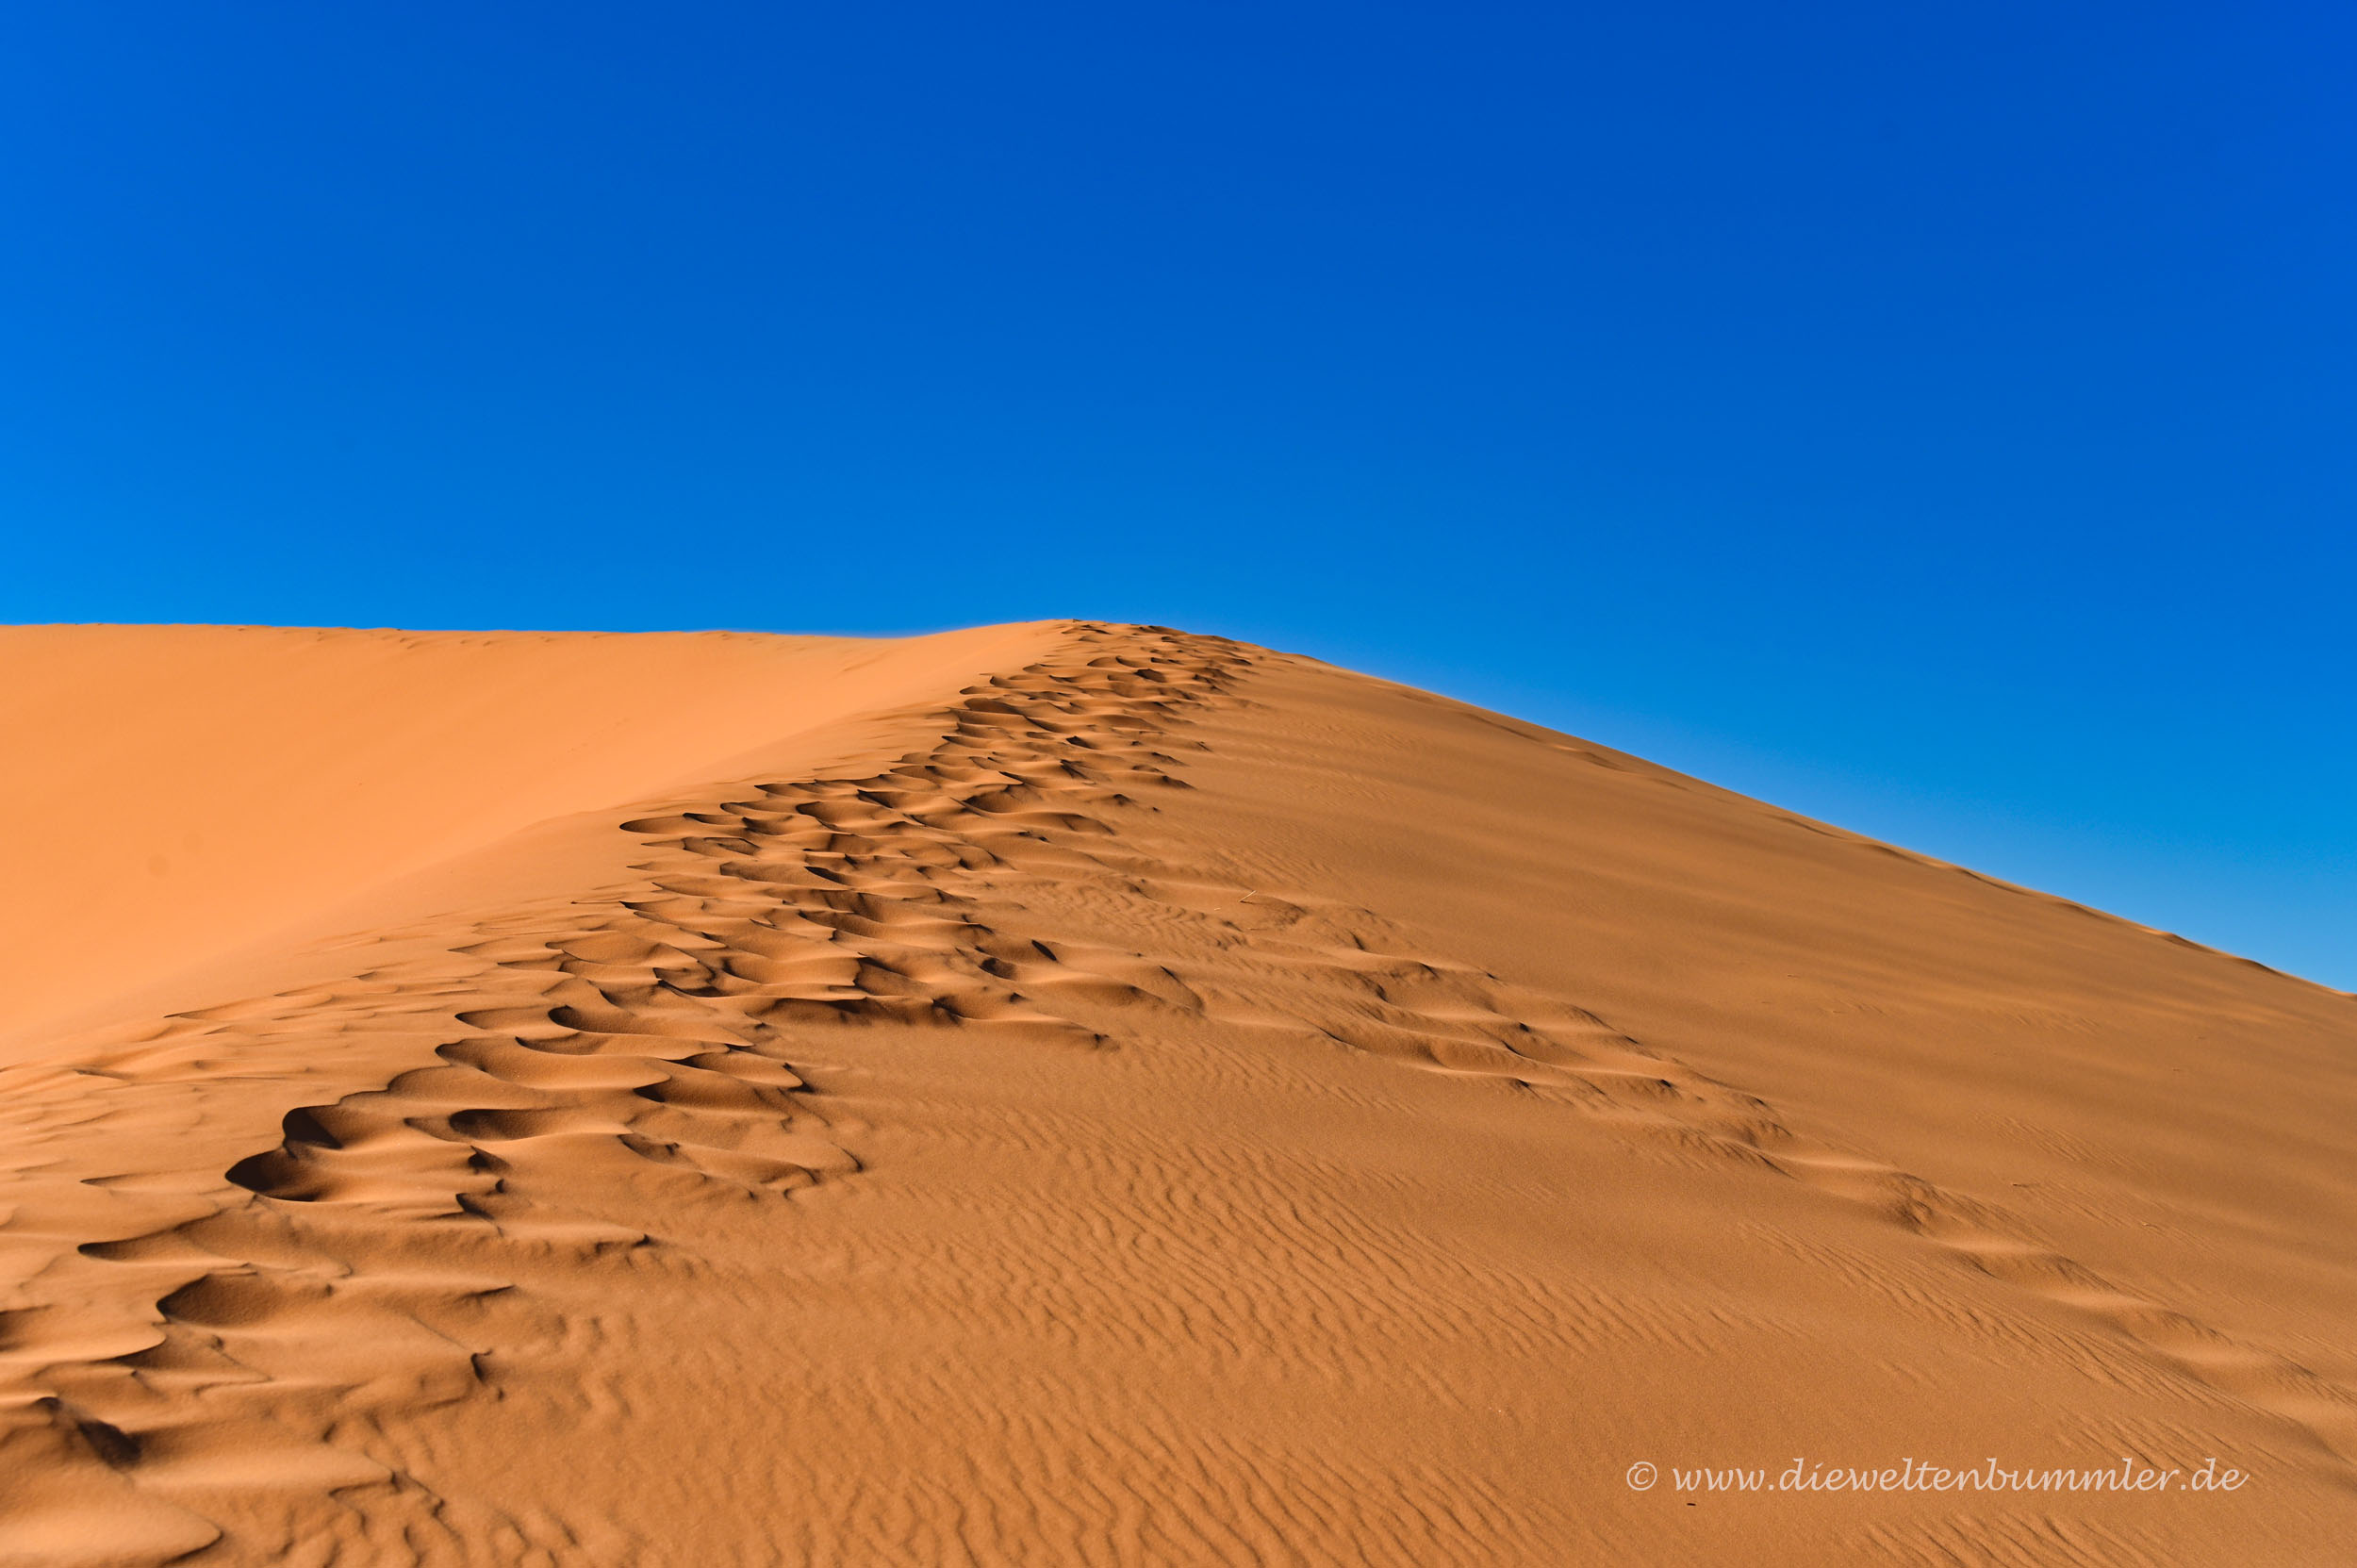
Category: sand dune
[1068,1093]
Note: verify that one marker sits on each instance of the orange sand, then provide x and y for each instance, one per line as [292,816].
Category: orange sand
[1059,1094]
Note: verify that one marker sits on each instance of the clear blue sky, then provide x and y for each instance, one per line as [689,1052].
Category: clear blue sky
[1934,418]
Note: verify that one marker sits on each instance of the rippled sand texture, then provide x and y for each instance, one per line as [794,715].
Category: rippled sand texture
[1078,1093]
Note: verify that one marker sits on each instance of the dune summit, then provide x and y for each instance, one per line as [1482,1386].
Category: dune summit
[1096,1094]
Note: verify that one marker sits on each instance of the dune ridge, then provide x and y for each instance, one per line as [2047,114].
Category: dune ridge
[1165,1102]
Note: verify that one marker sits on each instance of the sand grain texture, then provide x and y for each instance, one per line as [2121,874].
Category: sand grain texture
[1073,1094]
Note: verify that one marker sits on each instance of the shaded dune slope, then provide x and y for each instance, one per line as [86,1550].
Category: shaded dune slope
[179,793]
[1082,1094]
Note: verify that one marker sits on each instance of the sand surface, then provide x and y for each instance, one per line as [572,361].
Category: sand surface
[1064,1094]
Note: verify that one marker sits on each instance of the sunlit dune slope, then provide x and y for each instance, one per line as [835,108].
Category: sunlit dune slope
[1070,1093]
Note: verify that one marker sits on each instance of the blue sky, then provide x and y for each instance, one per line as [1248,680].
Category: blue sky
[1935,419]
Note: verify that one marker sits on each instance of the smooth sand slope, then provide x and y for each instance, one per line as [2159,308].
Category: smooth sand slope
[1066,1094]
